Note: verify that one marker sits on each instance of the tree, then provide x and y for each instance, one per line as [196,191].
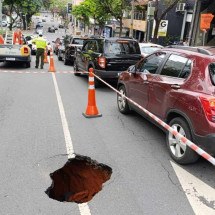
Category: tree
[115,8]
[91,9]
[160,13]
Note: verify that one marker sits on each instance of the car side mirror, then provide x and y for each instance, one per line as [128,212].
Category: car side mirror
[132,69]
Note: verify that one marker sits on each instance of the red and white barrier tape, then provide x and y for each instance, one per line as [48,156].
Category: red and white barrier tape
[178,136]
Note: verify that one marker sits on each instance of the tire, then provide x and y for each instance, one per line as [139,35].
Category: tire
[75,66]
[66,62]
[27,65]
[122,102]
[181,154]
[59,57]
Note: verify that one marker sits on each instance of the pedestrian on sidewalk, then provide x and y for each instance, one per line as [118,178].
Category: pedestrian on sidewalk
[41,45]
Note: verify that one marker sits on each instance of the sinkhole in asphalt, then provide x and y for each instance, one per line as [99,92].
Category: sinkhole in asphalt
[78,180]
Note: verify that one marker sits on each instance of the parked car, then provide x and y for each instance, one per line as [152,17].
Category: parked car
[148,48]
[70,49]
[178,86]
[39,25]
[4,23]
[51,29]
[60,26]
[56,44]
[108,56]
[39,30]
[61,52]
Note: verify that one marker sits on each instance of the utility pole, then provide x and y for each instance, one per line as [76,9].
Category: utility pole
[132,19]
[1,1]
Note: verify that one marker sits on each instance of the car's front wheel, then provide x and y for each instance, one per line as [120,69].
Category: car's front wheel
[76,71]
[180,152]
[122,102]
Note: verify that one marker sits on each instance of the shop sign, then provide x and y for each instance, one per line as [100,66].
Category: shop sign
[205,21]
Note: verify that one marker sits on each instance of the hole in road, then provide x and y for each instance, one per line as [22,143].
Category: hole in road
[78,180]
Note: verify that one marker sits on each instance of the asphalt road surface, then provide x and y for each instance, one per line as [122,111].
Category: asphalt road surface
[41,122]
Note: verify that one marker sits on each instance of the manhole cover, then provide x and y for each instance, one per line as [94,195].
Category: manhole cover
[78,180]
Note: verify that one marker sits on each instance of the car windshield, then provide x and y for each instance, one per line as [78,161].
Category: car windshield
[212,72]
[149,50]
[122,47]
[78,41]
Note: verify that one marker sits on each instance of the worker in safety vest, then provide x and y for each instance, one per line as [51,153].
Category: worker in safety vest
[41,47]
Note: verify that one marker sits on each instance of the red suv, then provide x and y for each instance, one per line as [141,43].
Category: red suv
[178,86]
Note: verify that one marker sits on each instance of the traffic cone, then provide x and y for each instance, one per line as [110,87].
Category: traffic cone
[51,64]
[92,110]
[45,57]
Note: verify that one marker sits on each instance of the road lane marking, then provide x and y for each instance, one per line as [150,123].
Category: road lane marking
[200,195]
[83,208]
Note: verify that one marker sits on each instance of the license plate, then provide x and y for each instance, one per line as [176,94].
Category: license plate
[11,58]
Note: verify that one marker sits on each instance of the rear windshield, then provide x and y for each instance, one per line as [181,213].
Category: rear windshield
[122,47]
[78,41]
[212,72]
[149,50]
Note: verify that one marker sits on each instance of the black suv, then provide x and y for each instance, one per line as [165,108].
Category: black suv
[107,56]
[70,49]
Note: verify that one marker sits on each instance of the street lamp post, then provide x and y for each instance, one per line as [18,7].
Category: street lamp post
[1,1]
[132,19]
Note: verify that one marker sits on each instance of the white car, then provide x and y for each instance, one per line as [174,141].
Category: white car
[148,48]
[4,23]
[39,30]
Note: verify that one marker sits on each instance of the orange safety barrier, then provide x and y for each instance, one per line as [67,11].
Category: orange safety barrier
[45,57]
[92,110]
[1,39]
[51,64]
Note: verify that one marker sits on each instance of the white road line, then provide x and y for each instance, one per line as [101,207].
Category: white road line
[200,195]
[83,208]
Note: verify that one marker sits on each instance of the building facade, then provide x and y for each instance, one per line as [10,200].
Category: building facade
[199,37]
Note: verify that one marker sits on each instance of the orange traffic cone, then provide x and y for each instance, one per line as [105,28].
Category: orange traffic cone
[92,110]
[51,65]
[45,57]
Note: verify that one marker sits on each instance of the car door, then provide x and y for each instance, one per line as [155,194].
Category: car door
[139,82]
[167,86]
[80,58]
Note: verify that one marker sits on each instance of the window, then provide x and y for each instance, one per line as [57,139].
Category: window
[151,63]
[187,70]
[78,41]
[92,46]
[212,72]
[174,66]
[122,47]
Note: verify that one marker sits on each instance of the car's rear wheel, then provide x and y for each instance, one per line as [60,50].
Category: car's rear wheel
[59,57]
[75,66]
[28,64]
[66,62]
[122,101]
[180,152]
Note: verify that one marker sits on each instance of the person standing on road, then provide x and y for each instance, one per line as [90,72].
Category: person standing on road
[41,45]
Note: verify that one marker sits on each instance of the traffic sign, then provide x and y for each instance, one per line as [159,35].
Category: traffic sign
[162,31]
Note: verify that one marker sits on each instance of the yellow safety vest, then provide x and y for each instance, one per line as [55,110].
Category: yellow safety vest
[40,43]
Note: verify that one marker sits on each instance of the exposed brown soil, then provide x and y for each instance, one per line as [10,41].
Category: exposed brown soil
[78,180]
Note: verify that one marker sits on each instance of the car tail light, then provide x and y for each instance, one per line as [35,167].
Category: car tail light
[209,107]
[102,62]
[25,50]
